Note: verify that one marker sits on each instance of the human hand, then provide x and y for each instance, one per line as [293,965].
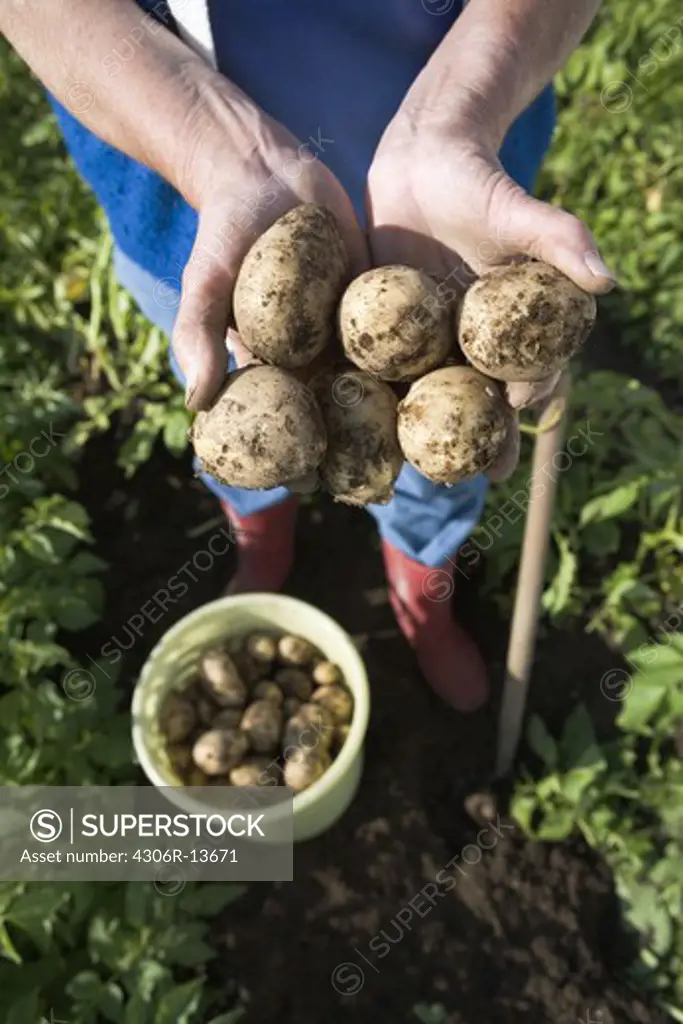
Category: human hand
[240,192]
[439,199]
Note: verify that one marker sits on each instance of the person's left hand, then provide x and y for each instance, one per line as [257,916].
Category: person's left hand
[439,199]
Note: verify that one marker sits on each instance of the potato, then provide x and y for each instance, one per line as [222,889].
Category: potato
[290,706]
[222,679]
[263,429]
[255,771]
[262,647]
[228,718]
[453,424]
[178,717]
[305,767]
[295,650]
[289,286]
[180,758]
[393,324]
[337,700]
[269,691]
[294,683]
[363,457]
[312,726]
[326,673]
[218,751]
[262,723]
[524,321]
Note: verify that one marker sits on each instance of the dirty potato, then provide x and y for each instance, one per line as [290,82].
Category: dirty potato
[262,723]
[311,726]
[218,751]
[393,324]
[255,771]
[263,429]
[326,673]
[453,424]
[268,690]
[524,321]
[288,289]
[337,700]
[222,679]
[178,717]
[295,650]
[294,682]
[363,457]
[304,767]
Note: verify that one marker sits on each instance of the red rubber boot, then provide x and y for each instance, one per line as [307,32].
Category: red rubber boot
[265,547]
[448,657]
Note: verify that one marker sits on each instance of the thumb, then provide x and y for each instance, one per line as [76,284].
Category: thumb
[199,335]
[527,225]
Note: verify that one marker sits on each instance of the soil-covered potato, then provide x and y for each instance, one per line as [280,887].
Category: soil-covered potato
[262,723]
[178,717]
[180,758]
[295,650]
[312,726]
[393,324]
[294,682]
[227,718]
[290,706]
[341,734]
[524,321]
[255,771]
[363,457]
[337,700]
[326,673]
[218,751]
[304,767]
[264,428]
[262,647]
[453,424]
[268,690]
[222,679]
[289,286]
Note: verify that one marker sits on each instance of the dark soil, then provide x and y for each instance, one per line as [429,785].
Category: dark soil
[529,933]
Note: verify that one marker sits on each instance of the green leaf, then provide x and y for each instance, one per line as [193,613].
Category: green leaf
[232,1017]
[556,825]
[24,1010]
[179,1005]
[209,898]
[556,597]
[7,948]
[541,742]
[612,504]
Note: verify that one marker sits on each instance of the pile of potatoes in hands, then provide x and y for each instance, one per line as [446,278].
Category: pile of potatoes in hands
[264,710]
[390,331]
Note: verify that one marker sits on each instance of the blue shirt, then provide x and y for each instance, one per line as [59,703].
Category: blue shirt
[332,71]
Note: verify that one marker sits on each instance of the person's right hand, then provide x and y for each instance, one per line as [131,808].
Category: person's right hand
[239,191]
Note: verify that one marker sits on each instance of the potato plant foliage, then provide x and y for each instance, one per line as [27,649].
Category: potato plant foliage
[76,359]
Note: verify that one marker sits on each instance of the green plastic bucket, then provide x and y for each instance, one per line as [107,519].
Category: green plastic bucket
[176,657]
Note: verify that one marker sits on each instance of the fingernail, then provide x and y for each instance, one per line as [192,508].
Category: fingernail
[597,267]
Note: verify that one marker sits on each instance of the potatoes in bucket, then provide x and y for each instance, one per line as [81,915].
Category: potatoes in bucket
[265,428]
[524,321]
[453,424]
[363,457]
[271,737]
[393,324]
[289,286]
